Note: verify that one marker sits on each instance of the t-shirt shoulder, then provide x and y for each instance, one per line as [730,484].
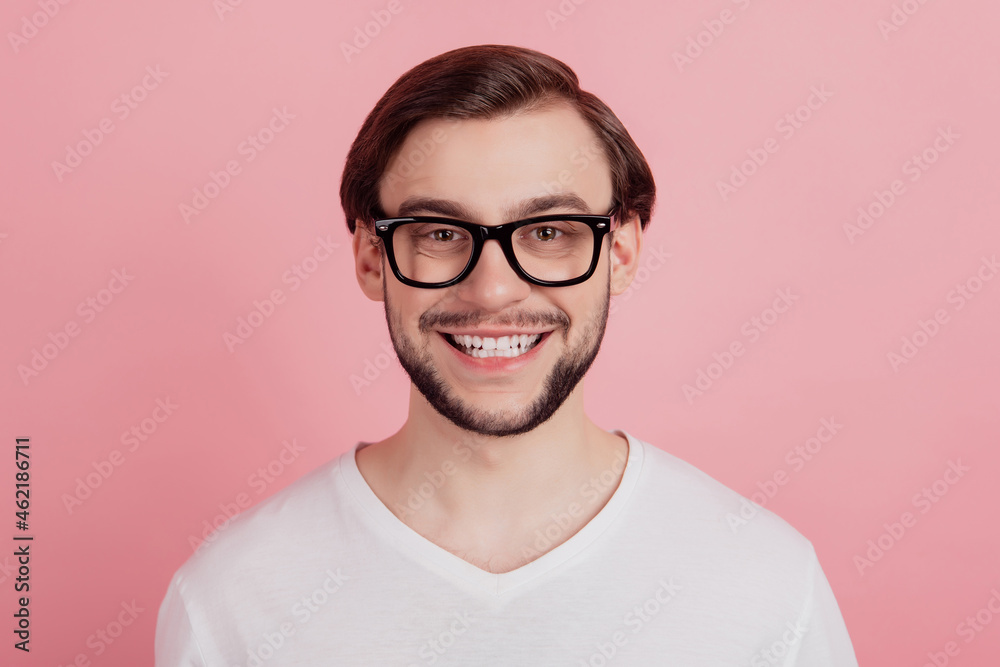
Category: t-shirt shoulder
[709,501]
[723,546]
[285,524]
[718,526]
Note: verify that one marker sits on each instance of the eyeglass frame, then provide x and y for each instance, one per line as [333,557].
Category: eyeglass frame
[480,234]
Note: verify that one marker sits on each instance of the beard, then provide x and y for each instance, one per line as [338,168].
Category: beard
[556,387]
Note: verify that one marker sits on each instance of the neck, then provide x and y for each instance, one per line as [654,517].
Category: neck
[482,493]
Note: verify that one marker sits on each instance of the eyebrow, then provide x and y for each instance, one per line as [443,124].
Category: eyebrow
[569,202]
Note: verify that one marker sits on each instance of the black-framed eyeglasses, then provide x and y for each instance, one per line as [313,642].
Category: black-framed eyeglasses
[550,250]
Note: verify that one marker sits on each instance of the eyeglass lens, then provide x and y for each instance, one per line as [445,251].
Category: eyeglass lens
[433,252]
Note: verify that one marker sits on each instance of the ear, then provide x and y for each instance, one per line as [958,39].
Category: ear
[368,261]
[626,245]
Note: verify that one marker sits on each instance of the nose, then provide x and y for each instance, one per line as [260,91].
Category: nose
[492,285]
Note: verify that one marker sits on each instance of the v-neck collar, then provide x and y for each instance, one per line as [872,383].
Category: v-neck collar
[450,566]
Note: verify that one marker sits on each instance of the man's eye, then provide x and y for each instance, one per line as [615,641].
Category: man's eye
[545,233]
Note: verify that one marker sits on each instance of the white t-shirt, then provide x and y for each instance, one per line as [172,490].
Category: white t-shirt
[322,573]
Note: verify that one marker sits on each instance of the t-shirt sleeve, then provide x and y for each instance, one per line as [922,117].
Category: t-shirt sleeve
[176,645]
[825,641]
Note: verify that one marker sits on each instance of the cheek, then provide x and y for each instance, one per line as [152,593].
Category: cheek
[406,305]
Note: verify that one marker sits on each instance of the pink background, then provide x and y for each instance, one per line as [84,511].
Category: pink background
[161,337]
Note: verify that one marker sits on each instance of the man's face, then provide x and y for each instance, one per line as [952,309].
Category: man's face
[492,172]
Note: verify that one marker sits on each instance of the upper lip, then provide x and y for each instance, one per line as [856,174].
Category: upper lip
[494,333]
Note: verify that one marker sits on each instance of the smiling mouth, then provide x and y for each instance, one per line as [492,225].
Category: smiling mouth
[504,346]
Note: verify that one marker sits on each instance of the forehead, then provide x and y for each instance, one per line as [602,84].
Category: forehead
[490,166]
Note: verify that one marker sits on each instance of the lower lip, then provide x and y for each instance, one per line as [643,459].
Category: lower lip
[496,364]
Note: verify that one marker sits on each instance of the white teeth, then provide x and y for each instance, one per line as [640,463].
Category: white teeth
[505,346]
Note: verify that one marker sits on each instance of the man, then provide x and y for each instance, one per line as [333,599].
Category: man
[495,208]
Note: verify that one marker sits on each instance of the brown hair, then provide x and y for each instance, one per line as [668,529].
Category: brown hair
[485,82]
